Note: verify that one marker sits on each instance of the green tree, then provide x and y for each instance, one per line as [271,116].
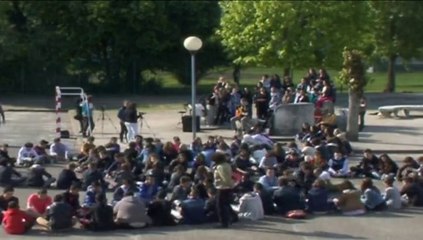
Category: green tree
[353,75]
[397,32]
[291,34]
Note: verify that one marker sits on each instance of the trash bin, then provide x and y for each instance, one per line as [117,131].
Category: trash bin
[187,123]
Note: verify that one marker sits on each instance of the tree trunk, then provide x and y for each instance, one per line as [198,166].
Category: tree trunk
[390,85]
[352,121]
[236,74]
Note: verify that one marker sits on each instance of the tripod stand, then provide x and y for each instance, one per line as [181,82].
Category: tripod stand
[103,117]
[144,121]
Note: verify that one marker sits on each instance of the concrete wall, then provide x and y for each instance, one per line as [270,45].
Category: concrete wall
[288,118]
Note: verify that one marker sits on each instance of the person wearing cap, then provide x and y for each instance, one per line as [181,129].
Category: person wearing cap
[26,155]
[39,201]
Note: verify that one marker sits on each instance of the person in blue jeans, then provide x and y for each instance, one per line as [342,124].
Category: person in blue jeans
[371,196]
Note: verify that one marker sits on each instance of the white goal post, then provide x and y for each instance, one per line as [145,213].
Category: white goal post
[68,91]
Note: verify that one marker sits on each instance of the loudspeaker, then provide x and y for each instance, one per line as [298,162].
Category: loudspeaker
[187,123]
[64,134]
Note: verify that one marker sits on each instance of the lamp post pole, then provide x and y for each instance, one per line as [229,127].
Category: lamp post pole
[193,97]
[193,44]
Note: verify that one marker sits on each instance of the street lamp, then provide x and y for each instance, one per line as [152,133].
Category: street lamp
[193,44]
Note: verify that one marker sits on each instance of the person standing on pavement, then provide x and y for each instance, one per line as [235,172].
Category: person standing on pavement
[361,113]
[87,116]
[121,115]
[224,185]
[2,115]
[131,119]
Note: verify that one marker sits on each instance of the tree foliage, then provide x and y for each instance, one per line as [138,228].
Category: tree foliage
[107,42]
[293,34]
[397,29]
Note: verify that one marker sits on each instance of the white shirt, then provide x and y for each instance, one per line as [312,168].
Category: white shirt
[251,207]
[26,154]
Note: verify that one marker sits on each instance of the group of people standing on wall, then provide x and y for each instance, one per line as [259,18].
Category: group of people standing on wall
[229,103]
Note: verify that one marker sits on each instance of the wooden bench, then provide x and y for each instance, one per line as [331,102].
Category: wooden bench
[386,111]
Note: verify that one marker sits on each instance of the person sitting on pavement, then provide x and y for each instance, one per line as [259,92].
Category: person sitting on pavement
[4,154]
[26,155]
[371,196]
[148,190]
[412,192]
[269,181]
[304,177]
[181,191]
[71,197]
[338,165]
[36,174]
[131,212]
[100,217]
[89,199]
[287,197]
[41,150]
[317,197]
[244,185]
[112,147]
[410,165]
[16,221]
[250,207]
[266,199]
[92,175]
[392,195]
[127,185]
[388,167]
[67,177]
[9,176]
[6,198]
[192,209]
[58,150]
[59,215]
[39,201]
[86,148]
[349,202]
[368,166]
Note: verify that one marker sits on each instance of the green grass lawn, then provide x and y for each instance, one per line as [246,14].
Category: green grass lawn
[406,81]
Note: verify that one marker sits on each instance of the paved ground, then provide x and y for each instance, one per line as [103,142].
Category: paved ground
[381,134]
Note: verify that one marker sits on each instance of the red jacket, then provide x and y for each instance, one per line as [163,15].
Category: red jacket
[15,221]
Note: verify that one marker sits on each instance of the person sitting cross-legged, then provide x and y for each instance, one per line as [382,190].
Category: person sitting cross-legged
[192,209]
[100,216]
[317,197]
[94,189]
[38,176]
[59,216]
[39,201]
[131,212]
[16,221]
[287,197]
[67,177]
[338,165]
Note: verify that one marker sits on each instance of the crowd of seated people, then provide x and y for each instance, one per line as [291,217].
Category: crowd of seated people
[157,183]
[231,103]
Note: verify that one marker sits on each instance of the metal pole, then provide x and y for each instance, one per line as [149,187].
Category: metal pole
[193,87]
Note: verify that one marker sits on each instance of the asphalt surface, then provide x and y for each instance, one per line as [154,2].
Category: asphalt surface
[29,126]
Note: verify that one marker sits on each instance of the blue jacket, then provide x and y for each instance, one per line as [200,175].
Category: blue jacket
[193,211]
[89,199]
[147,192]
